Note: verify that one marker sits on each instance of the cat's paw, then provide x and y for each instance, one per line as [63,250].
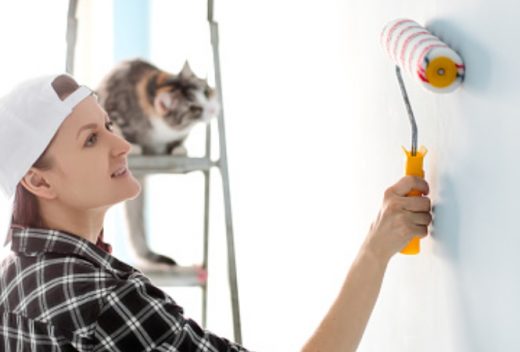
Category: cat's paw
[155,262]
[162,259]
[180,151]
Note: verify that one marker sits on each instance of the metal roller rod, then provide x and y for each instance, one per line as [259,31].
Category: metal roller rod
[408,109]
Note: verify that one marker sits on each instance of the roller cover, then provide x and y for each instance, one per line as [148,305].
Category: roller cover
[422,55]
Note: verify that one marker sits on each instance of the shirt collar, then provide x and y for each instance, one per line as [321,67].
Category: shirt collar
[36,241]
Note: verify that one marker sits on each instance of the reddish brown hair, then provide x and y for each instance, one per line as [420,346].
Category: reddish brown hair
[26,211]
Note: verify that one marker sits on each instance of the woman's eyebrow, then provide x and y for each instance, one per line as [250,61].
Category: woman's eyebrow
[92,126]
[89,126]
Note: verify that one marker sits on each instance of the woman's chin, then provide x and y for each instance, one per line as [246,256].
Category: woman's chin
[135,192]
[129,189]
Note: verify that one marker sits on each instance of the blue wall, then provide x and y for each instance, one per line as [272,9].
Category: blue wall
[131,29]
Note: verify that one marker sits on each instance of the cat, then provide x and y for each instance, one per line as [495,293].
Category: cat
[154,110]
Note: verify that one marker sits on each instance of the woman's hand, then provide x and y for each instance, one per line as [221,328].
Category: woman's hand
[400,218]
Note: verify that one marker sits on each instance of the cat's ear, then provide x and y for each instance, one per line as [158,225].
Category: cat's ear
[164,102]
[186,71]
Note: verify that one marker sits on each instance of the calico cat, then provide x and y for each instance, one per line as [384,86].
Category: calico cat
[154,110]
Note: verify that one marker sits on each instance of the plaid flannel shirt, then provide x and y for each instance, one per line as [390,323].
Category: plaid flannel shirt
[60,292]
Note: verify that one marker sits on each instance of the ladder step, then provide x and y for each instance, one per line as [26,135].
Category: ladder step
[171,164]
[194,276]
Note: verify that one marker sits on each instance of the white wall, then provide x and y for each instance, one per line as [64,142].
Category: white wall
[31,45]
[316,121]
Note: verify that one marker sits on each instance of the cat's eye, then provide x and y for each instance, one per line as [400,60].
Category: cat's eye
[207,92]
[195,109]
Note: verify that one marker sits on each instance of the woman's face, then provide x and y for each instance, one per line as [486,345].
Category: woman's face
[85,154]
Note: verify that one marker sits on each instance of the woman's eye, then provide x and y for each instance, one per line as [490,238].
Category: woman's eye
[109,125]
[93,137]
[91,140]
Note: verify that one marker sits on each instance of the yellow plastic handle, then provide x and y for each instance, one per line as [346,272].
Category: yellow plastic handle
[414,167]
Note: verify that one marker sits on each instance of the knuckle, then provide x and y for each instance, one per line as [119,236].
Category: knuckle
[427,204]
[404,230]
[389,192]
[422,230]
[394,205]
[413,203]
[409,178]
[425,220]
[402,218]
[410,230]
[422,203]
[420,184]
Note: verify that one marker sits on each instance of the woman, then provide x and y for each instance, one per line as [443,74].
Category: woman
[62,290]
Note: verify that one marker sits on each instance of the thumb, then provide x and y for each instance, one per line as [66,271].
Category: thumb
[409,183]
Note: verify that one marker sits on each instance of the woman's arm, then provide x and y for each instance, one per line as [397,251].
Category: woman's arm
[399,220]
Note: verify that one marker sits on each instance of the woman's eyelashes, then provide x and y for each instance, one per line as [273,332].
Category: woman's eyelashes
[109,125]
[92,139]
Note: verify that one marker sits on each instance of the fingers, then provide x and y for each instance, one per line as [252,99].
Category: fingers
[410,224]
[414,224]
[420,219]
[413,213]
[401,217]
[407,184]
[416,204]
[397,194]
[421,231]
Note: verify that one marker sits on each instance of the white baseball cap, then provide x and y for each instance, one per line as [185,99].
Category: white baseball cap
[30,115]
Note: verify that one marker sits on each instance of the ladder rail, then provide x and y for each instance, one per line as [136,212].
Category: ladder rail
[205,239]
[223,166]
[71,36]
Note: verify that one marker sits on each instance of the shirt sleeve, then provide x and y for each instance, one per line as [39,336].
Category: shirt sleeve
[138,316]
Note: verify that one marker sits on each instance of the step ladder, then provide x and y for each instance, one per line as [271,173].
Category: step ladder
[161,164]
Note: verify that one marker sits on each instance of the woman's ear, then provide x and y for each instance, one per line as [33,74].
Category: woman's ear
[35,182]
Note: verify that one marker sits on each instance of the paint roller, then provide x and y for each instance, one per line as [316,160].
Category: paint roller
[436,67]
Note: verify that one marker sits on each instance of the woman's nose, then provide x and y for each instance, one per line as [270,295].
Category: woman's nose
[120,146]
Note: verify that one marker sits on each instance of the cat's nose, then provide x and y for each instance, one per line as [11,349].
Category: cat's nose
[213,111]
